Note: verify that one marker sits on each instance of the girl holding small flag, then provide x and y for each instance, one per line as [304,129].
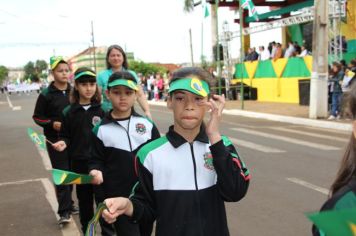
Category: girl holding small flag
[83,113]
[47,114]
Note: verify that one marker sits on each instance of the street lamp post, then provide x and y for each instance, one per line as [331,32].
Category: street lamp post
[242,54]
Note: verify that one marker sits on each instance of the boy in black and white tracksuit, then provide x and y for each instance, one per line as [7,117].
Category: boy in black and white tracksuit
[186,176]
[116,140]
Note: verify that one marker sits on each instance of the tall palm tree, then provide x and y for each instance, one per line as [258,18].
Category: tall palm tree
[189,7]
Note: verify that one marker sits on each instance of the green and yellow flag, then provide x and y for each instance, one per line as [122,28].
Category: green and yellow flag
[39,140]
[94,221]
[62,177]
[335,222]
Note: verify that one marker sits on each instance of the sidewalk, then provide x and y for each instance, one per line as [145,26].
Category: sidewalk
[281,112]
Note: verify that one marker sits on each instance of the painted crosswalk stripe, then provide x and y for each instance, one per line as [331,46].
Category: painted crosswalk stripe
[254,146]
[329,137]
[309,185]
[286,139]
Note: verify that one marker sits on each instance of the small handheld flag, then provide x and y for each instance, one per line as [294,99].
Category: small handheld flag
[62,177]
[335,222]
[39,140]
[94,221]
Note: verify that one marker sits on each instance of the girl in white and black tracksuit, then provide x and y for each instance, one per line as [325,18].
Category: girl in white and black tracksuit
[116,140]
[79,118]
[47,114]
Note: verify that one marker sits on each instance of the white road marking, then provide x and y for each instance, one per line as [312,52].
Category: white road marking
[286,139]
[70,229]
[328,130]
[9,101]
[309,185]
[254,146]
[17,108]
[329,137]
[19,182]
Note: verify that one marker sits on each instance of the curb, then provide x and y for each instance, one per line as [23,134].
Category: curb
[286,119]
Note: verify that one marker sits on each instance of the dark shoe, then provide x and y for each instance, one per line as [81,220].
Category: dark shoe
[63,219]
[74,210]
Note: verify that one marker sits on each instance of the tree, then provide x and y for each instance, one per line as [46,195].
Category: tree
[4,72]
[146,68]
[34,71]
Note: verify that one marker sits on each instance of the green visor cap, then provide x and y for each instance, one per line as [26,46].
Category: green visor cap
[89,73]
[124,82]
[54,61]
[193,85]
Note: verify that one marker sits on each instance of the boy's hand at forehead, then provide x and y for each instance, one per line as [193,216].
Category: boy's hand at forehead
[216,104]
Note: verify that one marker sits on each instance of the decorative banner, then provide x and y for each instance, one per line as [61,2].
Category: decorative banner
[39,140]
[309,62]
[94,221]
[279,65]
[251,67]
[295,68]
[265,70]
[62,177]
[240,70]
[335,222]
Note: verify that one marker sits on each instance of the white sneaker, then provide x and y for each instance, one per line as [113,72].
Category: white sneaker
[331,117]
[338,117]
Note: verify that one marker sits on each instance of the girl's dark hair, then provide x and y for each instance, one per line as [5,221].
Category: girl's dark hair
[347,168]
[74,96]
[117,47]
[121,75]
[187,72]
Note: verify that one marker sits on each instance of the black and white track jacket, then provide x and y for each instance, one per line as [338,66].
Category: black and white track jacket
[114,149]
[183,186]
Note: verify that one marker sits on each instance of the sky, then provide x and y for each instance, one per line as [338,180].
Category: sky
[156,31]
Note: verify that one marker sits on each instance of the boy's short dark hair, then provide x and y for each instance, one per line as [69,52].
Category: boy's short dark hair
[121,75]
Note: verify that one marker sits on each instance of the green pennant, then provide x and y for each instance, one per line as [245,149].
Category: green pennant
[39,140]
[62,177]
[335,222]
[94,221]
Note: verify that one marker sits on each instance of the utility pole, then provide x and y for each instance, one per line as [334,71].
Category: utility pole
[318,107]
[92,39]
[191,47]
[242,54]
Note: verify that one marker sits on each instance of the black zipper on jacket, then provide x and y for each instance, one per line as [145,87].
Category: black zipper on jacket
[196,186]
[127,132]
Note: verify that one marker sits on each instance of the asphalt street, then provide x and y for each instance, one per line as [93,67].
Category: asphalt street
[291,166]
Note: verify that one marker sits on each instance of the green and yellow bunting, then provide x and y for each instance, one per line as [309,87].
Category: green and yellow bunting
[62,177]
[335,222]
[94,221]
[39,140]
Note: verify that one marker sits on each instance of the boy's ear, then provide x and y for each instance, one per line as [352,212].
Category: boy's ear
[169,102]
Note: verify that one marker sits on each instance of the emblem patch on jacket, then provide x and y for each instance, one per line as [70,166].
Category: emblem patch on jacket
[96,120]
[208,161]
[140,128]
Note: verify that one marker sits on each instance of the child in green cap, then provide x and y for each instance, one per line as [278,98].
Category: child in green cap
[116,140]
[47,114]
[186,176]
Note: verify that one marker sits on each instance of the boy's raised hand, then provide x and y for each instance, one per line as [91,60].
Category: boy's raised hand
[116,207]
[97,177]
[59,146]
[216,104]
